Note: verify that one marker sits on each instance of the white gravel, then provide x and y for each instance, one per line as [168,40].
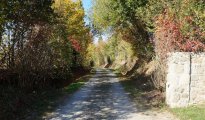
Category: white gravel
[103,98]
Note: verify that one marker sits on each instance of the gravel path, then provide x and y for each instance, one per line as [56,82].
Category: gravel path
[103,98]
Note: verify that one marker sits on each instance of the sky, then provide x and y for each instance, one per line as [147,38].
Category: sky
[87,4]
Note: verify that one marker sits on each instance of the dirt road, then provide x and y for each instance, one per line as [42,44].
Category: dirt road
[103,98]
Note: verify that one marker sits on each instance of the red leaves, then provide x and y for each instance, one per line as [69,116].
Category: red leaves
[193,46]
[170,38]
[75,44]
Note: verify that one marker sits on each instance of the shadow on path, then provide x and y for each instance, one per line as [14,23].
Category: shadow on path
[103,97]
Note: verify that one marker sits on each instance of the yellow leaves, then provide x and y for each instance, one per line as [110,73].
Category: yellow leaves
[72,14]
[68,8]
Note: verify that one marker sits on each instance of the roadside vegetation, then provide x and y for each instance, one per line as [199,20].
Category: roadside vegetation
[145,97]
[41,45]
[45,45]
[141,34]
[190,113]
[77,84]
[18,104]
[42,50]
[145,31]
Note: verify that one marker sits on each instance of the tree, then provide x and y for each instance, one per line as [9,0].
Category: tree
[121,18]
[78,34]
[42,40]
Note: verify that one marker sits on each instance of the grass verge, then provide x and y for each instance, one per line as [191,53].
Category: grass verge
[75,86]
[190,113]
[150,99]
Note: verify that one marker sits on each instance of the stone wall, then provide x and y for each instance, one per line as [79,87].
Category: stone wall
[185,79]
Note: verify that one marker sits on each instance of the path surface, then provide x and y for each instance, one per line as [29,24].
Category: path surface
[103,98]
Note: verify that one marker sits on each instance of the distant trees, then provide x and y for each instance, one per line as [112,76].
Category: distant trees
[139,20]
[153,27]
[42,40]
[110,50]
[120,18]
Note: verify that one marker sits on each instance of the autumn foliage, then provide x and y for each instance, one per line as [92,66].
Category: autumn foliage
[153,27]
[169,36]
[180,26]
[34,45]
[75,44]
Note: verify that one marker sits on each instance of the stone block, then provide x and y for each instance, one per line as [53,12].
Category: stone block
[178,57]
[172,80]
[196,59]
[185,79]
[187,69]
[175,98]
[179,69]
[195,78]
[203,61]
[197,69]
[185,96]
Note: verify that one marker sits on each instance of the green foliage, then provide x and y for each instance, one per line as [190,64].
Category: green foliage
[122,19]
[76,31]
[115,13]
[74,86]
[134,19]
[114,49]
[27,11]
[41,41]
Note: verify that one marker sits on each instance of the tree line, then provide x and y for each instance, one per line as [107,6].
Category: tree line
[152,28]
[42,41]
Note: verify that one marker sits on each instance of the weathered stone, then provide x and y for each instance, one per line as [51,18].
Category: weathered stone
[185,95]
[179,69]
[195,78]
[185,79]
[197,69]
[182,90]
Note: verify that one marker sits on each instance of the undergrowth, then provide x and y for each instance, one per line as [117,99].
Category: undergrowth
[19,104]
